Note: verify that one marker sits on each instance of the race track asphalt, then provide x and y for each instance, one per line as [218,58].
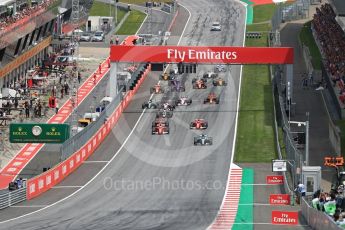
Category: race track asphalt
[156,182]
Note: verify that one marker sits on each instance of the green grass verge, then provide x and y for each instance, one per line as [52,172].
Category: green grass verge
[307,39]
[132,23]
[255,134]
[245,212]
[263,13]
[103,9]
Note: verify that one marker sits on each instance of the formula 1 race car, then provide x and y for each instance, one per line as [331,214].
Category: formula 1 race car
[210,74]
[199,83]
[220,68]
[160,128]
[203,139]
[219,82]
[198,124]
[157,89]
[149,105]
[163,113]
[183,101]
[211,99]
[160,120]
[177,86]
[167,77]
[168,105]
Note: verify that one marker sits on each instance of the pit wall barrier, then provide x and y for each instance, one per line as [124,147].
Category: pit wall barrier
[42,183]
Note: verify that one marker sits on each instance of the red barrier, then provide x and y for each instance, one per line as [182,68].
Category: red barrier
[279,199]
[285,218]
[50,178]
[275,179]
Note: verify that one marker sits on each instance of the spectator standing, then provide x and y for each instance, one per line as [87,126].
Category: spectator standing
[300,189]
[56,107]
[66,87]
[330,205]
[100,68]
[16,102]
[94,79]
[62,90]
[79,77]
[39,108]
[27,109]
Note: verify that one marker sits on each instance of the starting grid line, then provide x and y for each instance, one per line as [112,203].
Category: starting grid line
[90,162]
[68,186]
[28,206]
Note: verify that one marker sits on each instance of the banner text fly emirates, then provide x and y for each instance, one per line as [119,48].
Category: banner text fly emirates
[202,55]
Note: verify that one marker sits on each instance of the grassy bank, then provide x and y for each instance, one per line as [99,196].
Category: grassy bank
[104,9]
[255,135]
[132,23]
[307,39]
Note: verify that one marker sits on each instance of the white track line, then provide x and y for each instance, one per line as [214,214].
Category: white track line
[142,23]
[93,178]
[90,162]
[28,206]
[67,186]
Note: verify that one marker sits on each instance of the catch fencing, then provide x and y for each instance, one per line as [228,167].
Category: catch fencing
[294,151]
[290,12]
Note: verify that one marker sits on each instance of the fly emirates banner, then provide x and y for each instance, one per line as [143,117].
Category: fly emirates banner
[202,55]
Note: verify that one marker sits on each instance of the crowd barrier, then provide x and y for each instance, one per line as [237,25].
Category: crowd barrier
[316,219]
[45,181]
[12,197]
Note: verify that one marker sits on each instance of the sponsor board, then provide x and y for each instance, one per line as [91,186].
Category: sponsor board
[285,218]
[200,54]
[272,179]
[279,199]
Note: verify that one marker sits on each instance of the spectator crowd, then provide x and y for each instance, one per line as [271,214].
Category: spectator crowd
[54,78]
[332,204]
[8,22]
[331,38]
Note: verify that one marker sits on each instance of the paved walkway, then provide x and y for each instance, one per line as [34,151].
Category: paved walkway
[309,100]
[28,151]
[11,149]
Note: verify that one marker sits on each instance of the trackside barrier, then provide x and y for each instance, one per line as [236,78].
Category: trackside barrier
[45,181]
[12,197]
[317,219]
[74,143]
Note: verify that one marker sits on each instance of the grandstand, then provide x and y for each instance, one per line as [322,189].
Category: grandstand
[26,29]
[328,31]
